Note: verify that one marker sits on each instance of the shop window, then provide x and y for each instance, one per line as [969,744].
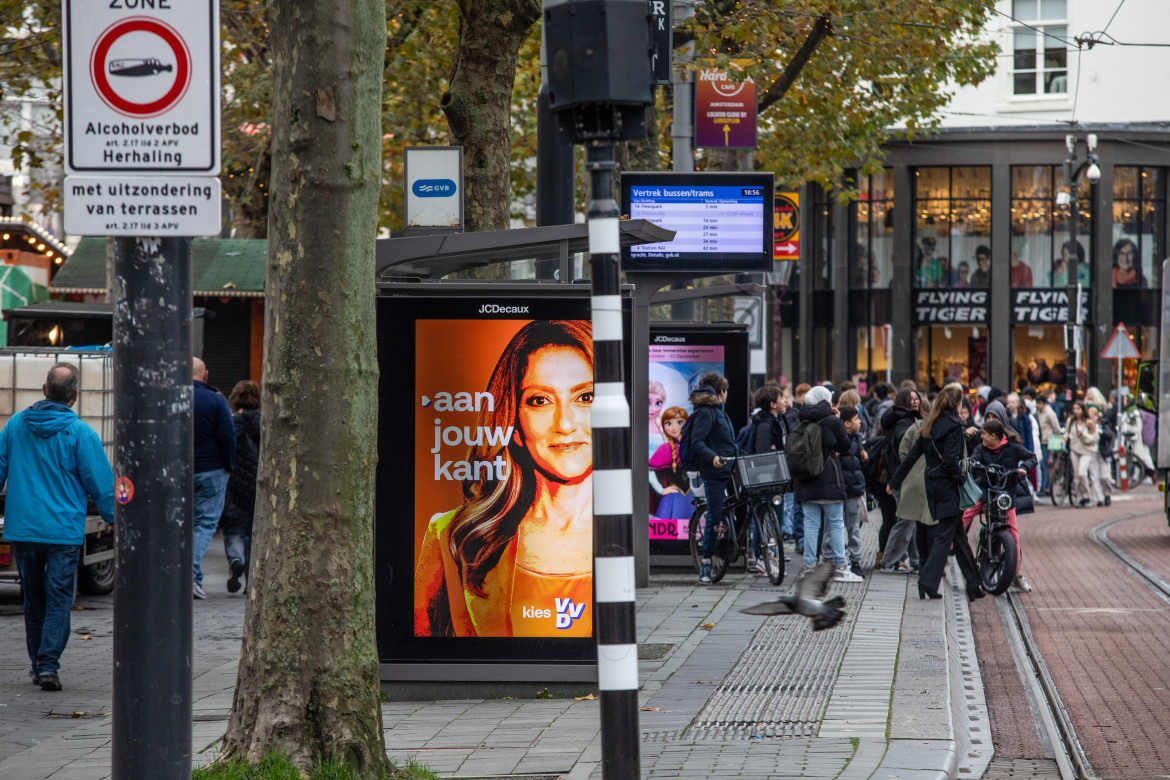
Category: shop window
[1039,47]
[872,252]
[822,244]
[1040,357]
[952,227]
[951,353]
[1139,219]
[873,353]
[1041,246]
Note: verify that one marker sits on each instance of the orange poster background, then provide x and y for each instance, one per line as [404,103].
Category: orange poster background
[452,356]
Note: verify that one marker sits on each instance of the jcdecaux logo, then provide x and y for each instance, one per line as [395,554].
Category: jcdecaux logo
[433,188]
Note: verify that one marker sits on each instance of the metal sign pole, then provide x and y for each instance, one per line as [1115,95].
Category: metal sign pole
[152,465]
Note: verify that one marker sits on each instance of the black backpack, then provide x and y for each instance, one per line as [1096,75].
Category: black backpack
[806,455]
[874,466]
[745,438]
[688,458]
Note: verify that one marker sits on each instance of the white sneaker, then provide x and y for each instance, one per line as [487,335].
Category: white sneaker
[759,567]
[844,575]
[197,591]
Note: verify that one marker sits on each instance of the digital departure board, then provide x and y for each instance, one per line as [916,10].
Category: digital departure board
[722,221]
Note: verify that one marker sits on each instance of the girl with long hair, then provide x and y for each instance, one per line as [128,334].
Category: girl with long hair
[1083,437]
[942,442]
[524,532]
[675,503]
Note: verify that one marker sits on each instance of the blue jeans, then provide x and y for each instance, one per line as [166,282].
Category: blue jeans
[787,514]
[210,488]
[1045,476]
[834,514]
[46,574]
[797,522]
[716,493]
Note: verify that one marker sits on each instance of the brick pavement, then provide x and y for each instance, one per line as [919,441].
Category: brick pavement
[1103,633]
[887,713]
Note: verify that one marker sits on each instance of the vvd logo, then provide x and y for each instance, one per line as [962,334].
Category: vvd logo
[567,612]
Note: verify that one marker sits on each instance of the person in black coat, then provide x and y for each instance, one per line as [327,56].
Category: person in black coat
[942,443]
[824,495]
[771,428]
[893,424]
[240,496]
[713,438]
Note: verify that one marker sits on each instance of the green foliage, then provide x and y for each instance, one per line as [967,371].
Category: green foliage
[30,70]
[885,65]
[276,766]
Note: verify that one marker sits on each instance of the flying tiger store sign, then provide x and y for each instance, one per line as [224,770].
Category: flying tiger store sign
[951,307]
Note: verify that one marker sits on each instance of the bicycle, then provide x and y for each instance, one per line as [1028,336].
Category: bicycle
[757,484]
[996,555]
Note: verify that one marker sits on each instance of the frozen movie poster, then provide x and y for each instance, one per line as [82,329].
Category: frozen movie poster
[503,522]
[675,370]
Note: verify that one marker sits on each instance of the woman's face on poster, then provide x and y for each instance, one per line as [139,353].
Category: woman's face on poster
[556,395]
[673,427]
[656,404]
[1125,257]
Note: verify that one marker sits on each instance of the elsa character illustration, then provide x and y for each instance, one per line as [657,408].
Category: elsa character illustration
[675,503]
[657,401]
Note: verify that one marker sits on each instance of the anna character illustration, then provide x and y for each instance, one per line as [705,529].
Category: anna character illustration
[675,503]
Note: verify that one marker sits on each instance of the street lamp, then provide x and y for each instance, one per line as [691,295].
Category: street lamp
[1072,178]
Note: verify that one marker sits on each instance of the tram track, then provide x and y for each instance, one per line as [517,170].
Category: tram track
[1053,718]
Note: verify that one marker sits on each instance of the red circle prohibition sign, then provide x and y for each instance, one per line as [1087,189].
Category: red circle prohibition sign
[97,66]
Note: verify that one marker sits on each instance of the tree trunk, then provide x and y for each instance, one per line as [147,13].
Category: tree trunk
[308,674]
[478,102]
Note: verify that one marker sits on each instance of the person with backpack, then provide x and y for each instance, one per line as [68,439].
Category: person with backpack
[766,431]
[814,450]
[795,534]
[710,436]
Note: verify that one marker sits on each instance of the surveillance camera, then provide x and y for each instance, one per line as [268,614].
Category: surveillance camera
[1093,174]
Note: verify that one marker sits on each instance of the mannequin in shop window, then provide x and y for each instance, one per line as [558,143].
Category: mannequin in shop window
[1021,274]
[962,274]
[981,277]
[930,272]
[1060,264]
[1125,270]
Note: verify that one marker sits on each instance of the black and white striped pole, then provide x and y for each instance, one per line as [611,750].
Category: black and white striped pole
[600,81]
[613,503]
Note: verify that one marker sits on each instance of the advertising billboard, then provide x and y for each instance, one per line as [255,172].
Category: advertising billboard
[722,221]
[725,109]
[484,506]
[679,358]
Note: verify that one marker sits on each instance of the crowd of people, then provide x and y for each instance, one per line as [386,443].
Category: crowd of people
[900,454]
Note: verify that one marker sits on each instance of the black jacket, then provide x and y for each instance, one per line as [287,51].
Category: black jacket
[851,467]
[944,474]
[771,432]
[711,433]
[1010,456]
[240,497]
[830,485]
[895,423]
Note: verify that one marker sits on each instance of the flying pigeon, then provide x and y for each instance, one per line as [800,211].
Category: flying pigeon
[806,600]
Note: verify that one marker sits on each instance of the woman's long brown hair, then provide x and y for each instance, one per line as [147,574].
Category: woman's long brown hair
[492,509]
[948,400]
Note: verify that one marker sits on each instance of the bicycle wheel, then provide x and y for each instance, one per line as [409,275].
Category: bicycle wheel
[695,533]
[771,543]
[1136,473]
[997,560]
[724,548]
[1059,481]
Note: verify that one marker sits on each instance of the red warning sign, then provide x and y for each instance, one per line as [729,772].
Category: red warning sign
[140,67]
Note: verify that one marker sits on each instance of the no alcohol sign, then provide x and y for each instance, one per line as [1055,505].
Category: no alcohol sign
[142,86]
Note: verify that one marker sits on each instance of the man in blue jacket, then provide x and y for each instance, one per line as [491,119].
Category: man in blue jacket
[51,461]
[215,452]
